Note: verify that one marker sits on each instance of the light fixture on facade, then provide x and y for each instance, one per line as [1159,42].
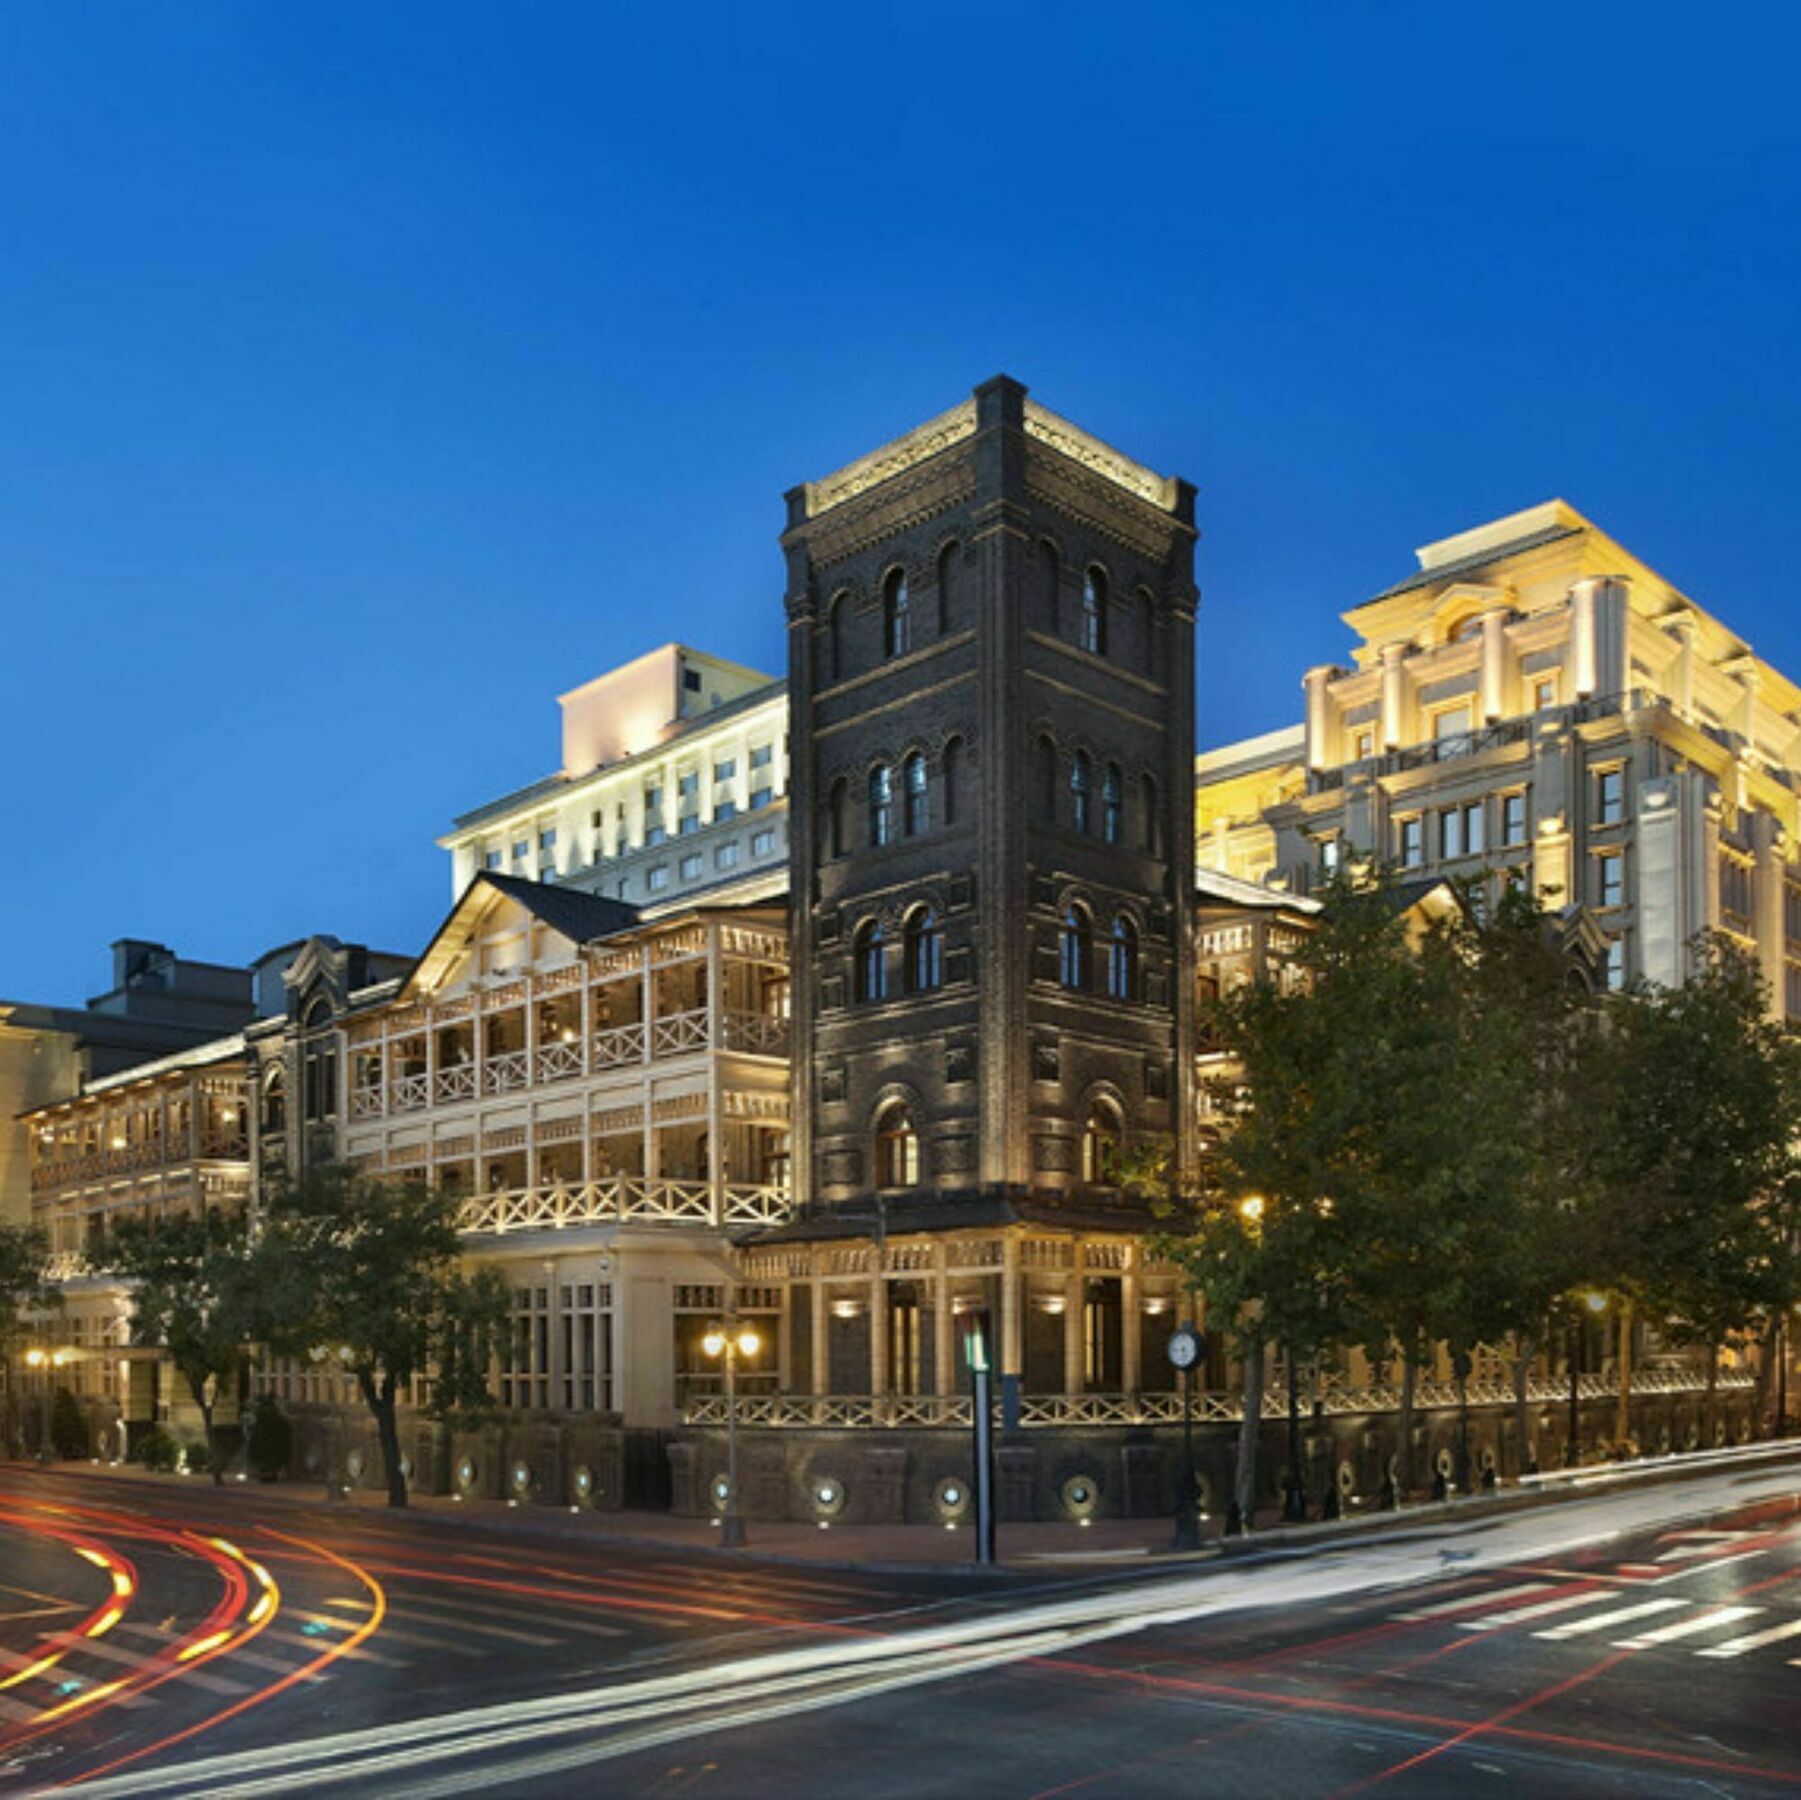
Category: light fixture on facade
[1156,1305]
[847,1309]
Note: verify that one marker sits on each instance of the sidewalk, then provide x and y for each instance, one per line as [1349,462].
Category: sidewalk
[1041,1548]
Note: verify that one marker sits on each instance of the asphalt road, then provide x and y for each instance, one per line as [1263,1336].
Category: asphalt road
[1646,1642]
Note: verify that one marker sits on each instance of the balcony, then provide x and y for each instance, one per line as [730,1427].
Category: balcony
[623,1200]
[569,1059]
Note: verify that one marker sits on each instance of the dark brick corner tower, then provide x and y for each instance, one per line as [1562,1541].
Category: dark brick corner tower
[991,655]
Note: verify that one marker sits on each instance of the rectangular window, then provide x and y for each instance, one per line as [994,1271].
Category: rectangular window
[1331,855]
[1513,818]
[653,798]
[688,786]
[723,810]
[493,859]
[691,681]
[726,856]
[598,817]
[1475,829]
[1610,796]
[761,756]
[1450,833]
[725,768]
[521,850]
[654,834]
[1544,692]
[690,867]
[1363,745]
[762,843]
[690,823]
[1451,730]
[547,840]
[1735,887]
[1616,965]
[1791,990]
[658,878]
[1610,880]
[1412,843]
[760,798]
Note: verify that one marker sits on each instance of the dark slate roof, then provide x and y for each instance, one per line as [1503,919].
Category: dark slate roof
[577,915]
[1463,565]
[935,1210]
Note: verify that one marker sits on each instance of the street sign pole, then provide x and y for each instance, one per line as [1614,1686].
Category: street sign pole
[1184,1354]
[975,1353]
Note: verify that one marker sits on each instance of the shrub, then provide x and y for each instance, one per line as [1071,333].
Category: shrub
[156,1449]
[69,1427]
[196,1458]
[269,1439]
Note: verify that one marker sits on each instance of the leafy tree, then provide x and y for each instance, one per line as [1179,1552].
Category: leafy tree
[197,1295]
[1700,1161]
[367,1269]
[68,1427]
[23,1290]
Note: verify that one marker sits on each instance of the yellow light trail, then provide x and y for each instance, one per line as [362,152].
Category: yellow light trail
[107,1620]
[87,1699]
[205,1644]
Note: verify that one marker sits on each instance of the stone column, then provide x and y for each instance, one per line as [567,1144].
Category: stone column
[822,1348]
[1131,1324]
[1584,662]
[1075,1290]
[944,1333]
[1322,746]
[1394,697]
[1493,680]
[1012,1358]
[1771,877]
[878,1334]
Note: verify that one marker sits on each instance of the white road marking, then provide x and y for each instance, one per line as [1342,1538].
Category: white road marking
[1464,1601]
[1606,1621]
[1520,1614]
[1739,1645]
[1704,1621]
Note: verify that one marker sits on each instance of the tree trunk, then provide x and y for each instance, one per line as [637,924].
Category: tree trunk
[1404,1450]
[1522,1411]
[1244,1482]
[380,1397]
[1294,1490]
[198,1390]
[1713,1384]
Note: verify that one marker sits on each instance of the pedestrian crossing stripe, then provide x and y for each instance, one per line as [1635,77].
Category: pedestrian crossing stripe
[1703,1621]
[1756,1641]
[1464,1602]
[1540,1610]
[1607,1620]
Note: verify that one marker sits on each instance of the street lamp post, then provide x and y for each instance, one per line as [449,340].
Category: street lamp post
[731,1338]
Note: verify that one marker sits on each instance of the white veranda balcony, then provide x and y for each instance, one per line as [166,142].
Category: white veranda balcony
[624,1200]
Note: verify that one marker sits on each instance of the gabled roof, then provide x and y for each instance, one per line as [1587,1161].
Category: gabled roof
[580,917]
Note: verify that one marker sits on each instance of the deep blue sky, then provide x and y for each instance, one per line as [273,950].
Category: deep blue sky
[371,374]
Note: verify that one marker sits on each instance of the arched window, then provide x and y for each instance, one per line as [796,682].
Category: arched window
[275,1101]
[1074,949]
[1113,803]
[1122,960]
[953,779]
[838,836]
[1081,775]
[1094,613]
[1153,832]
[916,810]
[1100,1145]
[897,620]
[1047,779]
[834,639]
[881,804]
[947,579]
[319,1071]
[870,951]
[896,1147]
[924,951]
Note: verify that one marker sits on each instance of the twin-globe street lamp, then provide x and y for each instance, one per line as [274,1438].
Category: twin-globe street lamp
[39,1361]
[731,1338]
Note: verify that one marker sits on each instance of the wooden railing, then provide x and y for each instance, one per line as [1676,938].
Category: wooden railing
[613,1047]
[621,1200]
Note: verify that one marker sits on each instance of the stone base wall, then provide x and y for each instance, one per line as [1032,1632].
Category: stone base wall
[532,1458]
[865,1477]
